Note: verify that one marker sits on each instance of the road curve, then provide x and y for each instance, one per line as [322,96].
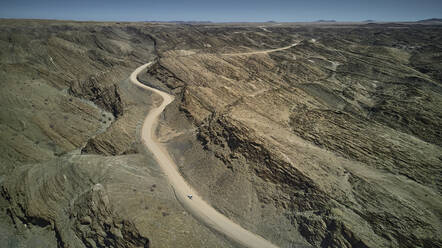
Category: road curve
[196,206]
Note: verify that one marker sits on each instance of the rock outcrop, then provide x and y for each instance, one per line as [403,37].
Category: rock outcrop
[52,195]
[106,96]
[97,226]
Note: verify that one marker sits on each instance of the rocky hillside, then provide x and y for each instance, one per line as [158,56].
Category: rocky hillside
[72,172]
[332,143]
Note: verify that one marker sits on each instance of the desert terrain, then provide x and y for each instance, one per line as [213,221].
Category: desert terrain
[286,134]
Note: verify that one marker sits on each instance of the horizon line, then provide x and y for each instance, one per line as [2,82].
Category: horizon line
[214,22]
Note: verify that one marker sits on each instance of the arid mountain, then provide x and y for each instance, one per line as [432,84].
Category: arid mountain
[432,21]
[73,172]
[321,135]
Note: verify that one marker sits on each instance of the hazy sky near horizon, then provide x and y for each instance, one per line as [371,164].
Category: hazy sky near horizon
[222,10]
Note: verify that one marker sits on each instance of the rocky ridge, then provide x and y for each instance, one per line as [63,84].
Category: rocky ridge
[66,97]
[327,135]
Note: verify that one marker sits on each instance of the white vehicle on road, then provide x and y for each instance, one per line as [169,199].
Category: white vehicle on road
[190,196]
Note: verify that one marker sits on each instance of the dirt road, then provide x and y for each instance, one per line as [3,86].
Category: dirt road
[196,206]
[261,52]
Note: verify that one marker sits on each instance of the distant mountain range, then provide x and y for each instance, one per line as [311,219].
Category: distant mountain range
[431,20]
[326,21]
[181,22]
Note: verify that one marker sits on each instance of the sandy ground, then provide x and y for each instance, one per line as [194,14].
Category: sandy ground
[196,206]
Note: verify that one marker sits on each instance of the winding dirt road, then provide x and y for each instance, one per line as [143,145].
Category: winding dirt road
[196,206]
[263,51]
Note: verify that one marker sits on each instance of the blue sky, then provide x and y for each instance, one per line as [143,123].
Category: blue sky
[222,10]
